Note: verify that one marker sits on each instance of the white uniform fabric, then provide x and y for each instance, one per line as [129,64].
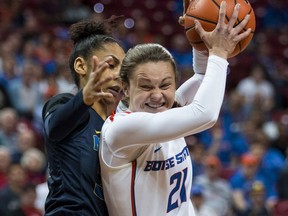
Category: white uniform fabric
[145,164]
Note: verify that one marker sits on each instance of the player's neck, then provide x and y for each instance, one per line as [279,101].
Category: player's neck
[104,110]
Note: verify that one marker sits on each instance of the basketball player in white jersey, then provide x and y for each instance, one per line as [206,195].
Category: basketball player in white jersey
[145,163]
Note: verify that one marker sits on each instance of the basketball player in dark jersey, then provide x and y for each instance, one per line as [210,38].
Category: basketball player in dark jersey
[72,122]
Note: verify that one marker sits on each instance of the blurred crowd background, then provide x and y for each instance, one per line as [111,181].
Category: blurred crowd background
[240,165]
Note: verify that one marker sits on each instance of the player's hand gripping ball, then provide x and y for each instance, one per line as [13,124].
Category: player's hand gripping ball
[207,13]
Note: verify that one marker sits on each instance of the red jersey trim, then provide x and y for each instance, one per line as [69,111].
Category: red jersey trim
[133,203]
[111,117]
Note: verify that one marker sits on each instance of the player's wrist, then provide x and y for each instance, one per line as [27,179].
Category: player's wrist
[220,52]
[86,100]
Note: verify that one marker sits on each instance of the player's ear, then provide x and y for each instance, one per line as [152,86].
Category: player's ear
[80,66]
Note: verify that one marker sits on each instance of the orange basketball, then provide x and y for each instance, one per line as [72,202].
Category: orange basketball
[207,12]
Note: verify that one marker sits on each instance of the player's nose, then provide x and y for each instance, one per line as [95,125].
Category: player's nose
[156,94]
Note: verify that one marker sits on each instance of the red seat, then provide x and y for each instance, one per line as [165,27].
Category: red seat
[281,208]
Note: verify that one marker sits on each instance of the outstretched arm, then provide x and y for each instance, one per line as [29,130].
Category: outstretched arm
[187,90]
[204,110]
[64,114]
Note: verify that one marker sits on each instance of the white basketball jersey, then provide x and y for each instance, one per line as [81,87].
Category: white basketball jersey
[157,183]
[143,173]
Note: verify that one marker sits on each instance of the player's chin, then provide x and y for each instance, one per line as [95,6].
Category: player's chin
[112,100]
[117,95]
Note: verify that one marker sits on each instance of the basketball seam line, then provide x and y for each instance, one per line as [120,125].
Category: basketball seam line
[198,18]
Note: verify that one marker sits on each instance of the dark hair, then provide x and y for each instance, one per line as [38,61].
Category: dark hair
[141,54]
[88,36]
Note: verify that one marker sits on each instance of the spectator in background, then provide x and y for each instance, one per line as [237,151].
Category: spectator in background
[258,92]
[43,51]
[64,80]
[216,190]
[270,161]
[34,162]
[233,111]
[26,53]
[26,139]
[8,65]
[10,194]
[257,197]
[282,182]
[281,82]
[5,162]
[197,152]
[242,181]
[280,141]
[4,97]
[197,198]
[281,207]
[15,13]
[9,68]
[24,92]
[218,141]
[255,122]
[265,56]
[9,120]
[8,72]
[75,11]
[27,203]
[233,119]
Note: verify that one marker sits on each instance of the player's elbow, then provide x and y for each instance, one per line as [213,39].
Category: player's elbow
[211,117]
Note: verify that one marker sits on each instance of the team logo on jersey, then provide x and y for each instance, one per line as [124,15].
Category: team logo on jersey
[157,149]
[171,162]
[96,140]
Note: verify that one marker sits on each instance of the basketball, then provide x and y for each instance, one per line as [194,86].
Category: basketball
[207,13]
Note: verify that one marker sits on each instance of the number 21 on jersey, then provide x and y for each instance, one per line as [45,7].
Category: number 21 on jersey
[179,179]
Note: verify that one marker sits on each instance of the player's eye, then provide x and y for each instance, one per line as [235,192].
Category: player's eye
[145,87]
[111,66]
[165,86]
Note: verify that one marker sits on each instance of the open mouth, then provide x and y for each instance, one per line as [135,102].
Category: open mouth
[115,90]
[155,106]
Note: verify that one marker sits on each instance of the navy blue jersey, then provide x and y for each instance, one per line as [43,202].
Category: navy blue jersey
[72,132]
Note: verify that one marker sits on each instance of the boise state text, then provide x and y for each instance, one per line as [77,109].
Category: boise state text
[168,163]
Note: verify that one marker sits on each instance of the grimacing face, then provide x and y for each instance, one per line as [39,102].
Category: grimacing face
[114,86]
[152,87]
